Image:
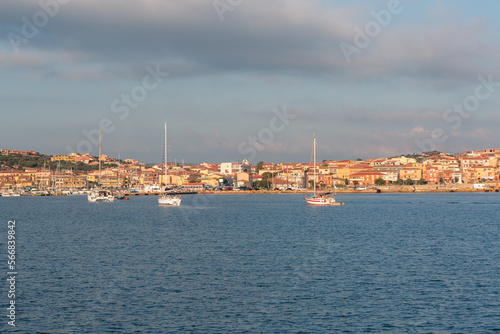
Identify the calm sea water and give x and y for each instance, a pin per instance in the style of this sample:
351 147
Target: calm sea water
402 263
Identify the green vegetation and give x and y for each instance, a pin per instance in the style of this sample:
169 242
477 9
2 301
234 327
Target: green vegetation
259 166
20 162
380 182
422 181
401 182
410 182
14 161
265 183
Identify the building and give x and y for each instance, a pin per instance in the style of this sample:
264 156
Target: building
230 168
7 152
244 179
365 178
432 174
410 173
479 173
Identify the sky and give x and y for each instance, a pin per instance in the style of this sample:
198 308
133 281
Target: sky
238 79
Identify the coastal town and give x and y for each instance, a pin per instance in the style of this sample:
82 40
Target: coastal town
78 172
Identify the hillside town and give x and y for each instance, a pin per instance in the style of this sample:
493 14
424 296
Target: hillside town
431 168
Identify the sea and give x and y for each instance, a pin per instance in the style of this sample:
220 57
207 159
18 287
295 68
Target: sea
254 263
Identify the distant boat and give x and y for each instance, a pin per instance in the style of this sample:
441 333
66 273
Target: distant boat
10 194
121 197
322 199
99 195
166 198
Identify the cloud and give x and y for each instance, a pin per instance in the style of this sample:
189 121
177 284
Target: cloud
418 129
283 36
23 60
230 74
478 133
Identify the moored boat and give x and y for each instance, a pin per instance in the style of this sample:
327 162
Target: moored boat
167 198
320 199
323 199
100 195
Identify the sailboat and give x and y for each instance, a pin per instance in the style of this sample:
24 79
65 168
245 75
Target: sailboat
100 195
323 199
165 198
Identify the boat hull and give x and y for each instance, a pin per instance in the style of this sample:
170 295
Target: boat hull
169 200
327 201
100 197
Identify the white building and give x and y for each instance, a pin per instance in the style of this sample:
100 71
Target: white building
230 168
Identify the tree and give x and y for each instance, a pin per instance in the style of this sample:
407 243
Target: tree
441 180
259 166
422 181
268 175
380 182
359 159
311 183
264 183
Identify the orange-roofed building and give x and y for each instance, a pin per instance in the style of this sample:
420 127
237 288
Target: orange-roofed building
365 178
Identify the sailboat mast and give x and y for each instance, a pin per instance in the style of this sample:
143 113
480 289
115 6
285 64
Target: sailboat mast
99 158
314 152
165 161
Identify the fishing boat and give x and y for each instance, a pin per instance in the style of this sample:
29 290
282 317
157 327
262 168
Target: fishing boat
321 199
100 195
167 198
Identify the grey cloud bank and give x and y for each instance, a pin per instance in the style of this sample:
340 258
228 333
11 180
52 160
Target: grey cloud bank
225 75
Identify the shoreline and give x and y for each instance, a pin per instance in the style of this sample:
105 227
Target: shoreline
398 190
350 191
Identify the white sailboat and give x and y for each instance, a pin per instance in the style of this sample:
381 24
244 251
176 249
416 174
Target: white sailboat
165 198
322 199
100 195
